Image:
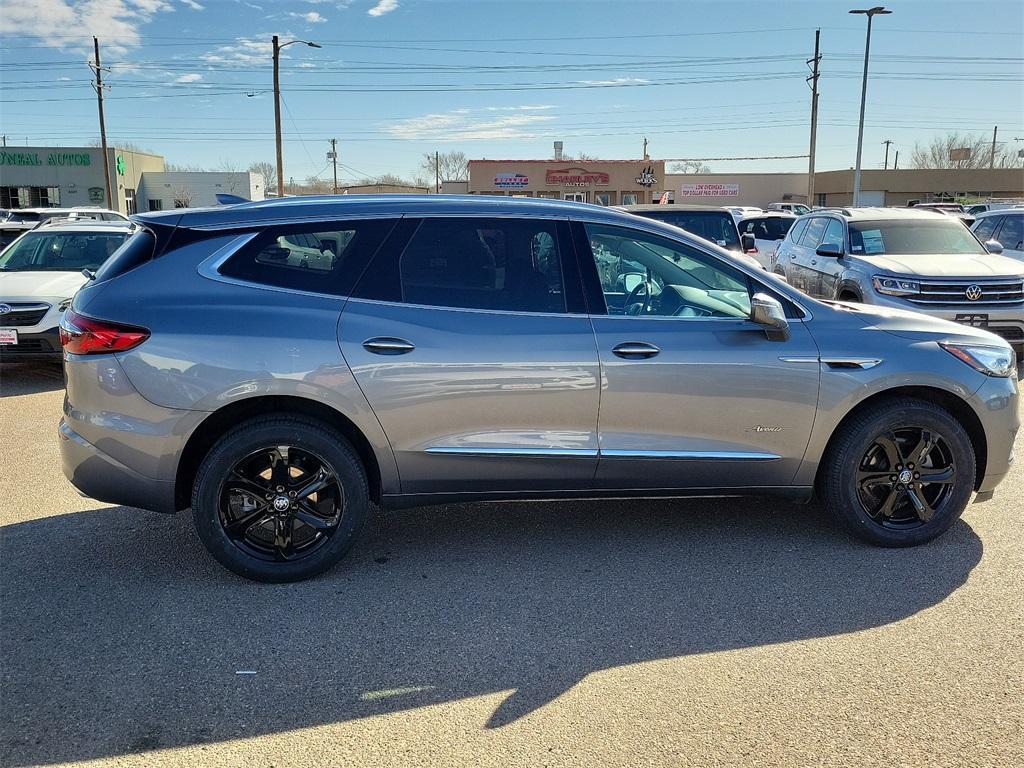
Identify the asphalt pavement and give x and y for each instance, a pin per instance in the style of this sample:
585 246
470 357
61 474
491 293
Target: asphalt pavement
676 633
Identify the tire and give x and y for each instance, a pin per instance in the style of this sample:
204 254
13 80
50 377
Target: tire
855 479
252 536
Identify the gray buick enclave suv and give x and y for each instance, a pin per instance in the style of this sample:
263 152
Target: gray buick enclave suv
277 366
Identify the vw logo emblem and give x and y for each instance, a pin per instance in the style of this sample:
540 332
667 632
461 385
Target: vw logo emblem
973 292
6 309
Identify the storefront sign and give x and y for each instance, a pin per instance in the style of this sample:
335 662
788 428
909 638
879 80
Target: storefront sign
511 180
53 158
575 177
711 190
646 177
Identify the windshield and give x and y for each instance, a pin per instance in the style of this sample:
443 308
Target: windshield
60 251
718 227
910 237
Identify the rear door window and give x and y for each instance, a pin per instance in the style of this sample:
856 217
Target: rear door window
798 230
812 235
475 263
321 258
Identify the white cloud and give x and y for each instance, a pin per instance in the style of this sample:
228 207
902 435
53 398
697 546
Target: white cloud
312 17
116 22
460 125
193 5
382 7
244 51
616 81
192 77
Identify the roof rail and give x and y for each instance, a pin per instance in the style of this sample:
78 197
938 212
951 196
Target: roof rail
844 211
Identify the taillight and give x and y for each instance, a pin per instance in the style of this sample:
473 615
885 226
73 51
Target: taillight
81 335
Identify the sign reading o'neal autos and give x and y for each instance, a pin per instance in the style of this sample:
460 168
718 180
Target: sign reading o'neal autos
711 190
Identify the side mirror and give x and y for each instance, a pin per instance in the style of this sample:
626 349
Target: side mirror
832 250
631 280
994 246
747 242
769 314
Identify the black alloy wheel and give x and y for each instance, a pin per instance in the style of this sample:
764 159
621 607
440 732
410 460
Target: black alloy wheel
905 477
281 503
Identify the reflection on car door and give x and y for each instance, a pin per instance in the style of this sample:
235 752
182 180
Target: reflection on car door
829 270
476 355
693 394
806 257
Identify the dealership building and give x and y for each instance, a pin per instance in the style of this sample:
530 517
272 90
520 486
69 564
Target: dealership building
605 182
71 176
621 182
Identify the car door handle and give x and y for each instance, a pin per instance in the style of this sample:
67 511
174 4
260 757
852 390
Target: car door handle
388 345
635 350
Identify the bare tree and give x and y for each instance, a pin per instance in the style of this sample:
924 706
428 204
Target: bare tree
182 196
445 166
689 166
183 168
970 151
269 173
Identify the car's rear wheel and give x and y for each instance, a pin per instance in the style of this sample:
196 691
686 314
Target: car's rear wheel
899 473
280 499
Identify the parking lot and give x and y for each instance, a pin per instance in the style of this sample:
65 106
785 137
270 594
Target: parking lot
643 633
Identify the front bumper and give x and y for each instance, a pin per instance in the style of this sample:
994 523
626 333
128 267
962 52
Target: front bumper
33 345
995 403
1003 320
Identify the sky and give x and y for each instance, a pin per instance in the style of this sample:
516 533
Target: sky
503 79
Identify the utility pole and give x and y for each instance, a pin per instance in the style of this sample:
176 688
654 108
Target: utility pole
887 142
437 172
992 157
277 117
813 80
98 87
278 45
333 155
870 13
646 156
896 162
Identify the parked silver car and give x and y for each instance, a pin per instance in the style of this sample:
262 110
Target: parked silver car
474 348
907 259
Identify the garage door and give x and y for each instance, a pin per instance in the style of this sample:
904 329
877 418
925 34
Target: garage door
870 197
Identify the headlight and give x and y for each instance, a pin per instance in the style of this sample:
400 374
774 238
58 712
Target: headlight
65 303
895 286
992 361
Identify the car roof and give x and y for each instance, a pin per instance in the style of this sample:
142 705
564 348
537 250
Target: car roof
1015 211
876 214
85 225
312 207
669 207
770 215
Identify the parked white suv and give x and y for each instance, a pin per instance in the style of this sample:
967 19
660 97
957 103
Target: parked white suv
39 275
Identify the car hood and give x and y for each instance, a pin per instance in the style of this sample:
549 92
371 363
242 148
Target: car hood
946 265
915 325
38 285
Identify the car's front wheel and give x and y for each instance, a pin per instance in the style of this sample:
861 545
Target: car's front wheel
899 473
280 499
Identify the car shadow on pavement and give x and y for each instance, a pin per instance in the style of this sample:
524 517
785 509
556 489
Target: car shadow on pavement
120 635
30 378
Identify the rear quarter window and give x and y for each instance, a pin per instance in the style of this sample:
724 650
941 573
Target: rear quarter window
320 258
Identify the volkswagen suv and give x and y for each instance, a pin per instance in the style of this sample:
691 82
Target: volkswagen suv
474 348
905 259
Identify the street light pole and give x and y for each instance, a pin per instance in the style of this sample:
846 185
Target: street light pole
278 45
869 12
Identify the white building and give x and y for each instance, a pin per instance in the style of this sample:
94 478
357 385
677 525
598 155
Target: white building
164 190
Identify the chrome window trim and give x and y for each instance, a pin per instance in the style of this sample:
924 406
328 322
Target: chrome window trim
516 312
405 214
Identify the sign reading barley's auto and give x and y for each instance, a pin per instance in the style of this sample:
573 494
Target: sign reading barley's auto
575 177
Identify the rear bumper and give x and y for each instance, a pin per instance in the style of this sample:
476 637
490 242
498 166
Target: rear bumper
103 478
